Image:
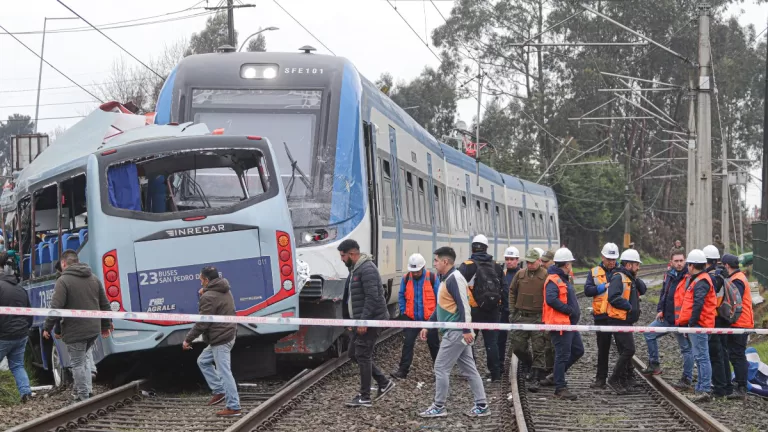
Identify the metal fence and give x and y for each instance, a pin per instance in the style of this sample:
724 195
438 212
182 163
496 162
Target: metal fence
760 258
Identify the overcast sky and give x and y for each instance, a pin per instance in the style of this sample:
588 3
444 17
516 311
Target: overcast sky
368 32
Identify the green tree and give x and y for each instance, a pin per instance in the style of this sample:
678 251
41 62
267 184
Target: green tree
257 44
214 35
16 124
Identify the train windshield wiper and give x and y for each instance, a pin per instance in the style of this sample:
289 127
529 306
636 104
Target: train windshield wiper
295 169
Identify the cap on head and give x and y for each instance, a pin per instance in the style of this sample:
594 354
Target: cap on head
540 251
711 252
610 251
563 255
630 255
416 262
483 240
730 260
511 252
532 255
696 256
547 256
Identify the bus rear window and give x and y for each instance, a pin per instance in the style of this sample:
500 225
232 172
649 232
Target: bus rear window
188 180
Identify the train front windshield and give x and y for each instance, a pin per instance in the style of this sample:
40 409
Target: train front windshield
290 119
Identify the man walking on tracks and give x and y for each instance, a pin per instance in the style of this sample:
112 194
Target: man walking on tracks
14 329
364 300
562 308
526 299
78 288
596 287
484 277
216 299
418 294
453 306
623 309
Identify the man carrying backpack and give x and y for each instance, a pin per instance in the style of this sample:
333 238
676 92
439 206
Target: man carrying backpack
734 310
484 278
718 348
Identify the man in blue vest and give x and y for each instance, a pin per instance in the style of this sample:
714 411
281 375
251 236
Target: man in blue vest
418 299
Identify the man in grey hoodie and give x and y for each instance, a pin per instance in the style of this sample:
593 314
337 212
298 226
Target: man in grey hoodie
364 300
78 288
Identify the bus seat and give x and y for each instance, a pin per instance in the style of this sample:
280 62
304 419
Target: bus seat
43 256
72 242
64 238
82 235
53 250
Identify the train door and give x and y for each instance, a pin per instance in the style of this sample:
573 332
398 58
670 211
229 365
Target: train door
430 197
369 136
494 222
396 199
525 222
549 228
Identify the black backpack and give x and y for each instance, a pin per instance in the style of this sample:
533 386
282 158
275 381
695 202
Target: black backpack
487 288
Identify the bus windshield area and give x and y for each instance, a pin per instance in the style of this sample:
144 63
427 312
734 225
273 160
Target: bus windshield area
290 120
188 180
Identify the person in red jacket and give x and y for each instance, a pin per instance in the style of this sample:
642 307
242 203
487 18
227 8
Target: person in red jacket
695 306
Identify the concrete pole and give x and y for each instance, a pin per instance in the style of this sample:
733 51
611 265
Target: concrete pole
40 74
231 23
692 213
704 132
725 207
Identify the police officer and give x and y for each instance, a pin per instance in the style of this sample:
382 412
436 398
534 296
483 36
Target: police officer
484 278
526 299
511 266
597 287
417 300
623 309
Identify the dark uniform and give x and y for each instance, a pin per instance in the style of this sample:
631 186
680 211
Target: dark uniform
624 294
509 275
596 287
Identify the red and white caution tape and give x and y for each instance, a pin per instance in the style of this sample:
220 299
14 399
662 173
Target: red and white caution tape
186 318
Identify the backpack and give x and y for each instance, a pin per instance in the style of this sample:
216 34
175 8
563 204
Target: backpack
487 288
731 307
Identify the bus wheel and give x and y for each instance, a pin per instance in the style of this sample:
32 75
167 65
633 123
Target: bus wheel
61 375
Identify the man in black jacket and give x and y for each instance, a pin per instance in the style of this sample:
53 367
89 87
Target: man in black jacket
14 329
364 300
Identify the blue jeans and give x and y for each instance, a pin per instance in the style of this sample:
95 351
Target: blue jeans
219 378
568 349
700 346
682 342
14 351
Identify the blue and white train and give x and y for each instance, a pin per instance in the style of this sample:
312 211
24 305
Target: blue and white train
354 165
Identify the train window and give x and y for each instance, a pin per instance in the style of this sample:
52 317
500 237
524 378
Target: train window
464 222
386 190
478 219
413 212
501 227
553 226
405 211
423 203
521 223
413 157
487 219
542 230
439 208
452 210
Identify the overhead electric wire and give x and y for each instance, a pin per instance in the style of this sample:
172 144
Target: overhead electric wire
46 104
53 67
426 44
111 40
45 118
302 26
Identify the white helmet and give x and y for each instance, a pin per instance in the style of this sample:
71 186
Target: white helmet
696 256
610 251
511 252
416 262
480 239
711 252
540 251
630 255
563 255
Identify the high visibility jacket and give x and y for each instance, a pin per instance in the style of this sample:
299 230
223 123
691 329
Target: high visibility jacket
616 313
427 296
600 301
549 314
686 295
746 319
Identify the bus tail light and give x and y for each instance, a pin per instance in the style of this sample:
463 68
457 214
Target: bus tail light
285 261
112 281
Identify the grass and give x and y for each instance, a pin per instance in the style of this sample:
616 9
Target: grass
8 393
762 350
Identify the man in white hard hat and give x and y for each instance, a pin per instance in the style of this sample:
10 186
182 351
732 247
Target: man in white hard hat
562 308
623 309
485 278
597 288
695 306
511 266
718 344
418 299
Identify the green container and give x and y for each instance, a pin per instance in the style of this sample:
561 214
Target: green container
745 259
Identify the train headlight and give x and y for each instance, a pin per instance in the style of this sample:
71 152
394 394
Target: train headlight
317 237
258 71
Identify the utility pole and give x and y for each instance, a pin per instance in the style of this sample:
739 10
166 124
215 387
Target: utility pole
231 22
726 204
704 131
692 208
628 205
477 129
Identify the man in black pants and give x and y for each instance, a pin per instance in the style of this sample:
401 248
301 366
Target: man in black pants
596 287
624 310
364 300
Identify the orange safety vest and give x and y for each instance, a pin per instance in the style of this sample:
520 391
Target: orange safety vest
708 311
548 314
427 296
600 301
746 319
616 313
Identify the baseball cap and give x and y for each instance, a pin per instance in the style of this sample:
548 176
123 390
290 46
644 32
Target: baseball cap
548 256
532 256
731 260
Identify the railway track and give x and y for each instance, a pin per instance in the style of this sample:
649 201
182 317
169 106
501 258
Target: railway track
652 405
